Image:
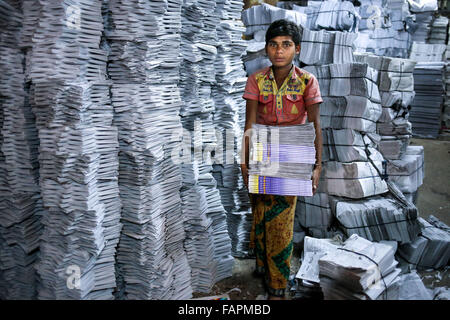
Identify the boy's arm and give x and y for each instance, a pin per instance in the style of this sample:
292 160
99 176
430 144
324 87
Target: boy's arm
250 119
314 117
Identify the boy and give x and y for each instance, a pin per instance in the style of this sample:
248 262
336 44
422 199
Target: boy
282 94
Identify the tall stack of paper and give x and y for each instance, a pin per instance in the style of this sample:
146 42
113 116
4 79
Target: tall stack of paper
77 154
229 122
200 20
396 84
431 250
426 108
151 260
359 270
351 101
20 200
281 159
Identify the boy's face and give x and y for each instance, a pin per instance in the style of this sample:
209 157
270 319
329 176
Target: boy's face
281 50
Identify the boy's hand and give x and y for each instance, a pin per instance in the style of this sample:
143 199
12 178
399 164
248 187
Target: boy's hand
315 178
244 171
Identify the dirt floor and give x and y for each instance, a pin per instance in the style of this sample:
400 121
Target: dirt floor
433 199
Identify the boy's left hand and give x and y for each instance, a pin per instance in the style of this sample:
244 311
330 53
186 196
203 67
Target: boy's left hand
315 179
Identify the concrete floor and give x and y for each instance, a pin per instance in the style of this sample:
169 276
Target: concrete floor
433 198
434 194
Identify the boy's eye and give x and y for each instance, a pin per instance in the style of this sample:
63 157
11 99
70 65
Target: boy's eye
283 45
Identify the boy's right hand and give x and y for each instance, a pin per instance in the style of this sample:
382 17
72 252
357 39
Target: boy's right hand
244 171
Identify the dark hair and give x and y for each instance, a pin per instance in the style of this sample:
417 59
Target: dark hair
283 28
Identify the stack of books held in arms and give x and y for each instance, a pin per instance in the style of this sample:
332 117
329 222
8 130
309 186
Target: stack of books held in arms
282 159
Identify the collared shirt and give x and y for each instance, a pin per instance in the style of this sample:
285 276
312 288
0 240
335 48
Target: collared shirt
285 105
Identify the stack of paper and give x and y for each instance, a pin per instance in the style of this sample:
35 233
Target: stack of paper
431 250
397 127
426 108
356 79
438 32
360 270
396 84
350 112
256 58
201 61
151 258
325 47
351 96
407 172
347 145
281 159
314 213
394 147
420 30
239 227
422 52
399 14
78 151
373 14
30 10
229 121
258 18
423 5
377 218
307 277
20 200
199 239
384 28
331 15
354 180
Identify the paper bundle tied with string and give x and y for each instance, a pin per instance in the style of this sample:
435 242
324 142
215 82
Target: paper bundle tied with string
360 269
282 159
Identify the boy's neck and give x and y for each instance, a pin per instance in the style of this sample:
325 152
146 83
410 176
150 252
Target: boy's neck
280 73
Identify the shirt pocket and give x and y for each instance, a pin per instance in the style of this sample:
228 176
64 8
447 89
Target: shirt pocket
265 105
293 105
